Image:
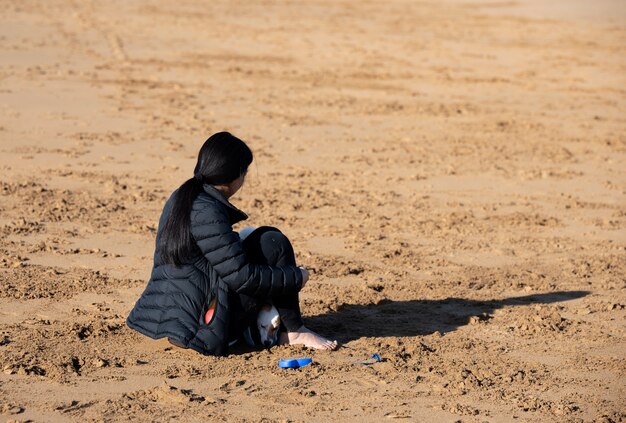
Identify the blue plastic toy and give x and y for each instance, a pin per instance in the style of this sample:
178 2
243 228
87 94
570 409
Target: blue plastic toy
372 360
294 363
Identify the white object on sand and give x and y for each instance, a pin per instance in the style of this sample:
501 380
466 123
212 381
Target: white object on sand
243 234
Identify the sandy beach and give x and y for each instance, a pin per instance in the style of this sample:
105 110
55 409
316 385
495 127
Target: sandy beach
453 173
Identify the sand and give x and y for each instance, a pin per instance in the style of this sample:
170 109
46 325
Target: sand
453 174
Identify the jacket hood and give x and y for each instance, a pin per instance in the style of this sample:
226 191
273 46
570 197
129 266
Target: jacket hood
234 213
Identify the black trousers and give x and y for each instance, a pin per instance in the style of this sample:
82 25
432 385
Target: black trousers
266 245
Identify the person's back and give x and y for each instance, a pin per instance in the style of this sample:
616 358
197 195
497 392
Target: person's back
177 294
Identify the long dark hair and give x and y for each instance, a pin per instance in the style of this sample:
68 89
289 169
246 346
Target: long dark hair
222 159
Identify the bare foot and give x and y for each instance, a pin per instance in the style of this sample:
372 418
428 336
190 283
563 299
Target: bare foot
308 338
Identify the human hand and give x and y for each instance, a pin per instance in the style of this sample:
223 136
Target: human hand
305 276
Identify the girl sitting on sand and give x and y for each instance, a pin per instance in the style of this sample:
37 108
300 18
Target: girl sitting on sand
207 284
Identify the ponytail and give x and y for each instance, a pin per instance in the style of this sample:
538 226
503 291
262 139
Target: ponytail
176 243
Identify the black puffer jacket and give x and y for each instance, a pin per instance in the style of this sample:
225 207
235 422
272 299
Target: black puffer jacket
176 299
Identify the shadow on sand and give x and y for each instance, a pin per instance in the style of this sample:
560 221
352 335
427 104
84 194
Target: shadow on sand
418 317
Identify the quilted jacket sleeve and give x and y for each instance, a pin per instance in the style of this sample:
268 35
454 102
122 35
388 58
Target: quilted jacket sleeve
223 250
